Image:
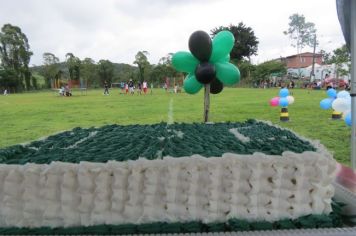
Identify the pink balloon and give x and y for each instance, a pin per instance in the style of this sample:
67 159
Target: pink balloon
274 101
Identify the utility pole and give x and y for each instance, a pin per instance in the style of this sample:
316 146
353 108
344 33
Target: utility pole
353 82
312 75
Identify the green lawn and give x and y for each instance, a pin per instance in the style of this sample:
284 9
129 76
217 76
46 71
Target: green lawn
29 116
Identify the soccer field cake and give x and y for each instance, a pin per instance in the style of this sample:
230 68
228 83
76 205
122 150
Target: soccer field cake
166 178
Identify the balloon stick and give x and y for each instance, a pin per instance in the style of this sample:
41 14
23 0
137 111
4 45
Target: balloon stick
206 102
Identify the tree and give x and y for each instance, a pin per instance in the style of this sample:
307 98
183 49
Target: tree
264 70
301 33
88 72
326 57
246 43
163 70
105 70
245 68
50 69
124 72
142 63
9 80
340 57
73 64
15 54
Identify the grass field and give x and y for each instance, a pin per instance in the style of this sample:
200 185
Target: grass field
29 116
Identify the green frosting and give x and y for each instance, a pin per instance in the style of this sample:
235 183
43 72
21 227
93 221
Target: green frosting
192 227
239 225
262 225
121 143
310 221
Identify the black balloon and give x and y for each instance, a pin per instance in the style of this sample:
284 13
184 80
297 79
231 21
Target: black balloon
216 86
200 45
205 72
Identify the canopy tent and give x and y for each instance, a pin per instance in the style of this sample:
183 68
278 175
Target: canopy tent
346 11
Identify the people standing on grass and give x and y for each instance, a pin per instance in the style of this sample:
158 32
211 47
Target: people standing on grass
5 92
61 91
139 88
126 88
151 88
106 88
67 91
144 85
131 87
122 87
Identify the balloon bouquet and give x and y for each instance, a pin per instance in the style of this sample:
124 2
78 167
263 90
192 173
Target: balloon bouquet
207 65
283 100
340 102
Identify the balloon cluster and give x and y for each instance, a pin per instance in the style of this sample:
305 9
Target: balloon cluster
340 102
208 62
283 100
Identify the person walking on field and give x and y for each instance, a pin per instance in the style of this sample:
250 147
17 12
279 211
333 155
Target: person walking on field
126 88
139 88
144 85
106 88
131 87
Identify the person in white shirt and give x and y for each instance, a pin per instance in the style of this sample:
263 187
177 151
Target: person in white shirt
144 86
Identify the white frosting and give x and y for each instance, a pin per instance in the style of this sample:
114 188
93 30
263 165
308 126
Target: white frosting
252 187
239 136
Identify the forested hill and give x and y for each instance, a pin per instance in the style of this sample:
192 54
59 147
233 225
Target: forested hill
93 73
118 68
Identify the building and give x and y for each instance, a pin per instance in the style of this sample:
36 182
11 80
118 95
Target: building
301 65
302 60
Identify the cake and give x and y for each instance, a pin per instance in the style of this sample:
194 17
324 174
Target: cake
166 178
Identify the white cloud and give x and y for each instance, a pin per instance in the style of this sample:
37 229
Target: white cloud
117 30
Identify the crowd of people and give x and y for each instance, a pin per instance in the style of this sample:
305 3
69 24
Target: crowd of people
139 88
275 84
130 87
305 83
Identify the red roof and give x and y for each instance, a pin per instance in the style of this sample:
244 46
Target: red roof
305 54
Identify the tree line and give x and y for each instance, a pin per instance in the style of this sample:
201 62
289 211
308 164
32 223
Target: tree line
16 75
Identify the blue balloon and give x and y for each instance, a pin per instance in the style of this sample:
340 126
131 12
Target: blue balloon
326 103
331 93
283 93
283 102
348 119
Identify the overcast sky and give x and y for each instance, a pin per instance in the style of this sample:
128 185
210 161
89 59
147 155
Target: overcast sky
118 29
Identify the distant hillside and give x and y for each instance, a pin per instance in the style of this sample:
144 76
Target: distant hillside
119 67
122 71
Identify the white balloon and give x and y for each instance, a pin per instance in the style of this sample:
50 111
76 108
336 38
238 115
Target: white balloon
290 99
343 94
341 105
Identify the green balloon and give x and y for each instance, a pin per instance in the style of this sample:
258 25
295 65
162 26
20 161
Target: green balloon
227 73
223 42
226 58
184 62
191 84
